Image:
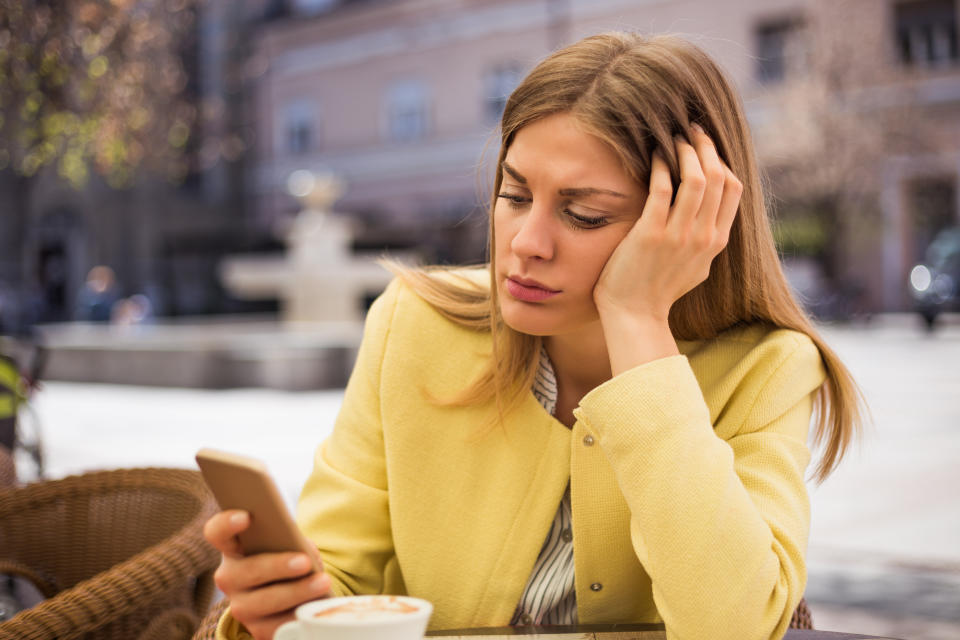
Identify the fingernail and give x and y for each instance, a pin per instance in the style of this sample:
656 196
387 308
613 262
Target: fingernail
299 563
238 518
319 583
697 126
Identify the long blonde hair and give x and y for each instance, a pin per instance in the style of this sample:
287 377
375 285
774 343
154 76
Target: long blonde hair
636 93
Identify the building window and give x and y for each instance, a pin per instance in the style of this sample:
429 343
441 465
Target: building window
926 32
498 83
932 202
781 49
407 111
298 128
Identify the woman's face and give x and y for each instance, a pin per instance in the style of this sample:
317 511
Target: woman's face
564 205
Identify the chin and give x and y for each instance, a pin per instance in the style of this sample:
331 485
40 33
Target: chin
535 319
525 317
530 329
548 320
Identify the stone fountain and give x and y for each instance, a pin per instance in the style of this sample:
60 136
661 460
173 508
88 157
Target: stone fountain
321 287
318 279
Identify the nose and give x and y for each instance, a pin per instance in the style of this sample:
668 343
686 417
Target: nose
534 237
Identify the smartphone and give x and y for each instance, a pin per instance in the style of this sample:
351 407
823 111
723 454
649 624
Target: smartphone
240 482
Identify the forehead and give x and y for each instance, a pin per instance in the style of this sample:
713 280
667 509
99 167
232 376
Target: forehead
558 148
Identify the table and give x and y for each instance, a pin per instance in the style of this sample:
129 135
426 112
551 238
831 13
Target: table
616 632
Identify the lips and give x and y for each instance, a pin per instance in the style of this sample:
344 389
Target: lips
527 290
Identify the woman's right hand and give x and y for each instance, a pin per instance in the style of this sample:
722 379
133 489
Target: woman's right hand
265 588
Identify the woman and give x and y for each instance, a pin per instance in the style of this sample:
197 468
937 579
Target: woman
607 424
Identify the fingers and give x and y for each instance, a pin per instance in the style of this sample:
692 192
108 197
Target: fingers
657 207
709 194
263 588
692 187
729 204
714 174
250 572
221 531
264 609
277 598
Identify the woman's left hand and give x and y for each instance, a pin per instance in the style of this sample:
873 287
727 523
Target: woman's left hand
669 249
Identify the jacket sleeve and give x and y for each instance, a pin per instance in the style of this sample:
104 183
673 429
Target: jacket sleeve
719 508
343 505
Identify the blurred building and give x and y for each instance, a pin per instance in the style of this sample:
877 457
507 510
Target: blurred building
162 240
855 106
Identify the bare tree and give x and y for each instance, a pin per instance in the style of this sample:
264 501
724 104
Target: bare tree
849 105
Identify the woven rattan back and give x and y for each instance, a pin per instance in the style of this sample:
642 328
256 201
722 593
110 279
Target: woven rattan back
8 469
116 550
802 618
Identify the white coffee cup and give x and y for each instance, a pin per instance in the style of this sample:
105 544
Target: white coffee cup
359 618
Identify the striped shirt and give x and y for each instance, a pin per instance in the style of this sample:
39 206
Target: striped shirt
549 597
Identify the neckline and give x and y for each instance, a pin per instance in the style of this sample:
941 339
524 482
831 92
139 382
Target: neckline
530 398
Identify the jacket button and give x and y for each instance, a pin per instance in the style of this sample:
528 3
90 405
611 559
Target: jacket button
588 440
596 586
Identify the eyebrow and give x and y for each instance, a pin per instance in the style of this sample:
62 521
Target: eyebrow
590 191
580 191
513 173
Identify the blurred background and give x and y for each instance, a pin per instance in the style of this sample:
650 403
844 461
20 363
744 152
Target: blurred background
192 193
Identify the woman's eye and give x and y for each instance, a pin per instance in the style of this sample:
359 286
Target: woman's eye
586 222
514 201
577 220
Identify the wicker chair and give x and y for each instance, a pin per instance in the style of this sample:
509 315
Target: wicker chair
208 626
118 554
802 618
8 469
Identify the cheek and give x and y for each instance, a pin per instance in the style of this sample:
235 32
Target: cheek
502 234
594 257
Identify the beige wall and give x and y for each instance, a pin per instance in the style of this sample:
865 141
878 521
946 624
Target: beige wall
341 64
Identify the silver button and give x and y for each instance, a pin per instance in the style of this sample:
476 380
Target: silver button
596 586
526 619
588 440
567 535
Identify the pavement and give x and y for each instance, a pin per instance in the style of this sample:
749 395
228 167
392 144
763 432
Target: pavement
884 552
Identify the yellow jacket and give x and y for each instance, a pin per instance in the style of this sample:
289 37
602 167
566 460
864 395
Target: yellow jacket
686 477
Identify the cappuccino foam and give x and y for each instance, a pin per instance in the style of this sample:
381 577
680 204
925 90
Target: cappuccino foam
368 610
